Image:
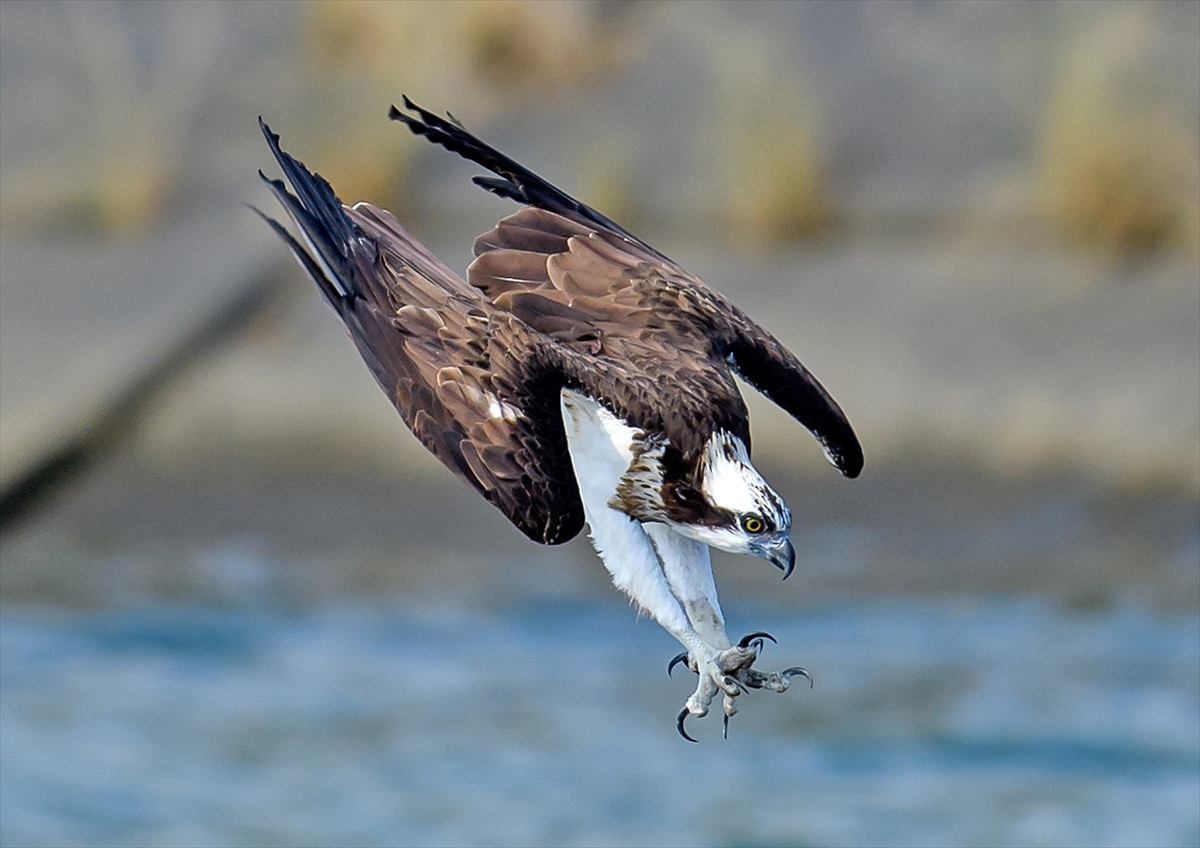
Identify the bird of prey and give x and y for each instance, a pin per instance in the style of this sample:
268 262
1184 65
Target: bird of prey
577 376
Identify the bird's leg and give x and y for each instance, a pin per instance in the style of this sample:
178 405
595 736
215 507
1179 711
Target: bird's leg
722 666
667 575
687 566
751 678
729 672
733 671
712 666
637 569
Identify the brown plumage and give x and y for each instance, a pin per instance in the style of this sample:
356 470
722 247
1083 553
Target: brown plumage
558 297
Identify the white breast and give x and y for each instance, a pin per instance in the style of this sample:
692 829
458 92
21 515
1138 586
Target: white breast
601 448
665 576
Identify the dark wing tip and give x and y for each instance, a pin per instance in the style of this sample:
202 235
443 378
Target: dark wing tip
838 441
513 180
760 359
271 137
431 121
851 463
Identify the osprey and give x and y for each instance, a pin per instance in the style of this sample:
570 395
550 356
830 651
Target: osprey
576 376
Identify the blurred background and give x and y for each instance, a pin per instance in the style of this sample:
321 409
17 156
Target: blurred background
239 605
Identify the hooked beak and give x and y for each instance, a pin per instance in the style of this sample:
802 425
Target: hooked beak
783 556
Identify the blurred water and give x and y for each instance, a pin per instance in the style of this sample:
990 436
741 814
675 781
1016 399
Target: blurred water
932 723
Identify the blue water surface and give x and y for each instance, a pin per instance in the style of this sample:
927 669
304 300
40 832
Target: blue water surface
1000 722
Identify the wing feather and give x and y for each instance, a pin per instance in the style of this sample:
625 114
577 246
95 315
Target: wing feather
558 296
644 306
472 383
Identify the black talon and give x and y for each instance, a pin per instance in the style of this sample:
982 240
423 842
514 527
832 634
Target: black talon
789 673
724 727
757 634
676 660
679 724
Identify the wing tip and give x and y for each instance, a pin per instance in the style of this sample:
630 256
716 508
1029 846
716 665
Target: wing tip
850 462
424 123
271 136
513 181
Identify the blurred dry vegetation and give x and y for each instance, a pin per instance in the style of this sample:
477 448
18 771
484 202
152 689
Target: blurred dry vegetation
470 54
118 163
119 134
777 185
1113 164
1121 165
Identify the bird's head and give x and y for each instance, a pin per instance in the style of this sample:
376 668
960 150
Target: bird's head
744 514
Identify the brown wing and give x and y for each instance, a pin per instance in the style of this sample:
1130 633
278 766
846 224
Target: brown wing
600 300
630 304
476 386
570 271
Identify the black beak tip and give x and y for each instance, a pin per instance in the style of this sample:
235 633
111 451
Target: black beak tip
784 558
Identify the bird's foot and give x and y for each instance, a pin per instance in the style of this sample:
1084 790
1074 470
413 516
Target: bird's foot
730 672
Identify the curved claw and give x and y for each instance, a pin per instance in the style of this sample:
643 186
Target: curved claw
788 673
757 634
725 726
676 660
683 714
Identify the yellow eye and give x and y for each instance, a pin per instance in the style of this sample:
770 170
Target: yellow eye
753 524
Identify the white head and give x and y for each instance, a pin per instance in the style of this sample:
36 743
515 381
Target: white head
750 517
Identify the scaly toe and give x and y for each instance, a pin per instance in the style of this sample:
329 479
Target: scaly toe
797 671
729 707
734 660
775 681
730 673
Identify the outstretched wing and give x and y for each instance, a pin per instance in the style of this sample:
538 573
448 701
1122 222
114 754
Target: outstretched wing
571 272
478 387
